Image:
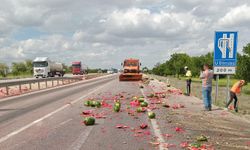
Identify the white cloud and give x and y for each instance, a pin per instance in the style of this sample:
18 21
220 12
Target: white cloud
142 23
238 16
102 33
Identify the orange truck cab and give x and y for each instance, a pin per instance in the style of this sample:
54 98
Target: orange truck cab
131 70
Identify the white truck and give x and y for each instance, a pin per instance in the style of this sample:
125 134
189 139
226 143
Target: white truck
44 67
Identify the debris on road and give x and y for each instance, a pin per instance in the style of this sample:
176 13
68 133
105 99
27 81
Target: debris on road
141 109
92 103
151 115
179 129
143 126
177 106
87 112
184 145
120 126
201 138
144 104
134 103
141 99
117 106
88 121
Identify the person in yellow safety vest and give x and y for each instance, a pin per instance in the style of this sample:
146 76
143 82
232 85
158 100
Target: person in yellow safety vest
188 79
236 89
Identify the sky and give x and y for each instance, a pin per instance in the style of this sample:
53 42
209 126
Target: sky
102 33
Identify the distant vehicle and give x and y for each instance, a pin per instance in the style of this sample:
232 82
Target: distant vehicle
77 68
99 71
112 70
131 70
44 67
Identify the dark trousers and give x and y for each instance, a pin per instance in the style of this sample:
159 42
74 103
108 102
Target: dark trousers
188 86
233 97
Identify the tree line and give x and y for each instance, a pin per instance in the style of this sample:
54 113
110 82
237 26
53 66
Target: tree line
21 68
175 65
26 68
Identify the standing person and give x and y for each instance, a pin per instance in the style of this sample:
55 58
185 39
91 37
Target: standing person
207 78
236 89
188 80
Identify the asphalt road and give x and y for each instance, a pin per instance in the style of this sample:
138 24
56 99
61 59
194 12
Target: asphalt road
50 119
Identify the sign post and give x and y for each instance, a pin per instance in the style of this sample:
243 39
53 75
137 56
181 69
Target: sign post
225 56
216 89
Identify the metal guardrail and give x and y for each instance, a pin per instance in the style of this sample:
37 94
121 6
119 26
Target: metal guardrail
7 84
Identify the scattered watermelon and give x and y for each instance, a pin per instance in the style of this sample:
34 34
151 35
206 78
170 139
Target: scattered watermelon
140 109
151 115
88 121
141 99
98 104
143 126
202 138
151 95
144 104
134 98
116 109
92 103
117 106
165 105
195 144
87 103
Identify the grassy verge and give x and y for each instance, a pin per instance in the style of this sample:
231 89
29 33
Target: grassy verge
223 83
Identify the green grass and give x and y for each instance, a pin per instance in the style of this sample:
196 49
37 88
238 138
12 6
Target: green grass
223 83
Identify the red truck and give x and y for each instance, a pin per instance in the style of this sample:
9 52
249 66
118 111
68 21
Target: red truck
77 68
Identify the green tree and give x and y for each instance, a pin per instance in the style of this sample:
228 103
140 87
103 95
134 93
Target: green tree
66 68
29 66
243 64
178 62
3 69
246 50
18 68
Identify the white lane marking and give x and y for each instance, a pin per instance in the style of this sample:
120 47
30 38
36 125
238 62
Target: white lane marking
77 144
156 129
4 138
64 122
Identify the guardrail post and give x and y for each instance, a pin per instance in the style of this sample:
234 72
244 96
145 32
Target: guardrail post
30 86
57 82
46 83
20 88
39 87
7 90
52 83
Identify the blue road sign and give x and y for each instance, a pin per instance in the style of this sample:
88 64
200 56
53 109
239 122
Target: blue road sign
225 52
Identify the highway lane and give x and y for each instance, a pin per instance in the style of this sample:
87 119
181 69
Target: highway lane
19 110
50 119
